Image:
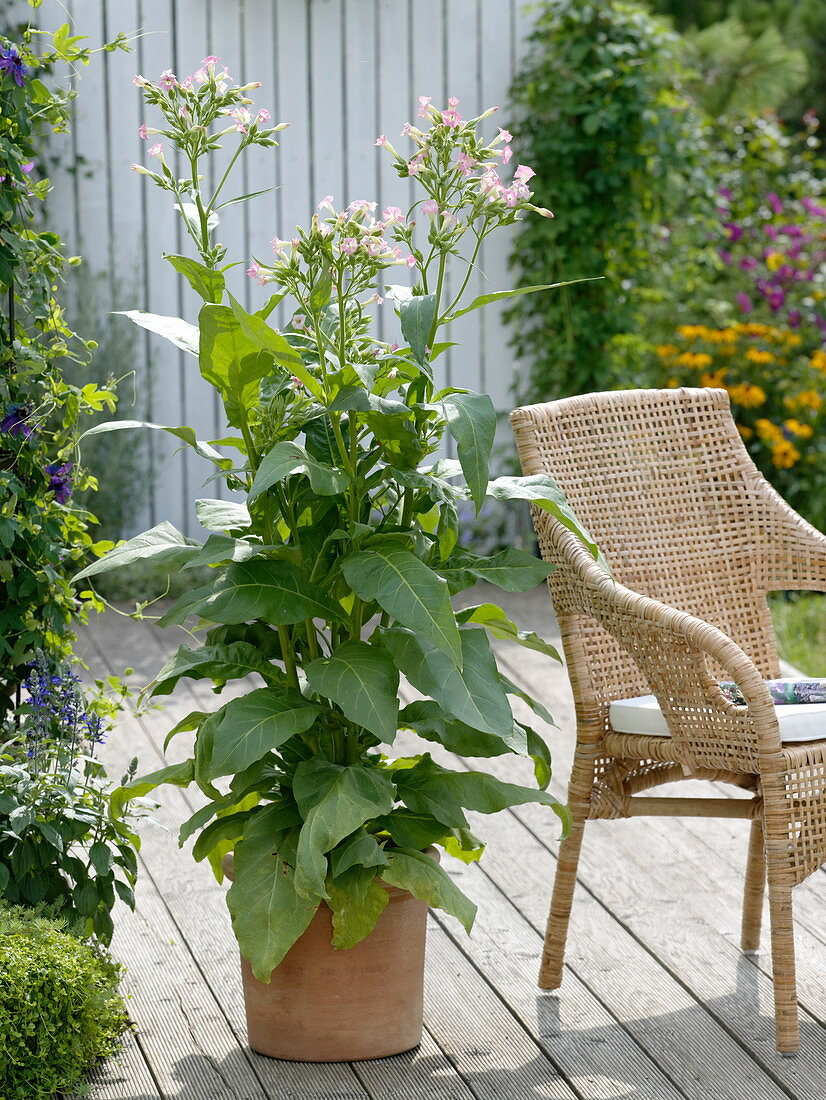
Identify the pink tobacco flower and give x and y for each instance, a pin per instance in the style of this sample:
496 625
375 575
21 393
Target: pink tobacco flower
453 103
211 60
156 150
262 116
410 259
142 131
523 173
451 118
465 163
504 135
507 153
362 204
349 245
392 214
255 271
139 81
242 119
167 79
430 207
382 141
424 103
326 204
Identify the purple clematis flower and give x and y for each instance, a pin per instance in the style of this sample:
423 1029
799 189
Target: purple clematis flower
60 480
15 422
11 63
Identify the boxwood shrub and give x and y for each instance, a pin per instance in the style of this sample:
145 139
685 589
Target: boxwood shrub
60 1009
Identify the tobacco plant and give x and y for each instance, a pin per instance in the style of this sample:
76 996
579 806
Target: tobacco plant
335 563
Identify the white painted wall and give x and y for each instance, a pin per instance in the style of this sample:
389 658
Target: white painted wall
341 72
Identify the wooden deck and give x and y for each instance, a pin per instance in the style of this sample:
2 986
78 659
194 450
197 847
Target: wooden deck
658 1003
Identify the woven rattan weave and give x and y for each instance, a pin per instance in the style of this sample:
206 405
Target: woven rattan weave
695 539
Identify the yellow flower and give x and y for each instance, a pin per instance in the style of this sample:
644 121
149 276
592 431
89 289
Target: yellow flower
818 360
692 332
769 431
784 455
745 432
805 431
754 355
697 360
806 399
665 351
775 260
747 395
714 381
793 339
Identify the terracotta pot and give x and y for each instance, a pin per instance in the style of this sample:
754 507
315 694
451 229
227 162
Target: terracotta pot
328 1005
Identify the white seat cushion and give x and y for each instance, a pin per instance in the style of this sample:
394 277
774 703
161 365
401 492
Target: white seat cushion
798 721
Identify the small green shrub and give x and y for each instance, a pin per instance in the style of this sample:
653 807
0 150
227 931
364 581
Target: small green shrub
60 1009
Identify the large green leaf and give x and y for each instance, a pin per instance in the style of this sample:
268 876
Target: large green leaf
497 623
355 399
426 718
178 775
471 420
259 333
275 591
410 591
289 458
500 295
511 570
222 515
214 662
268 915
357 900
334 801
162 544
231 362
360 849
220 549
474 695
180 333
203 280
244 729
184 433
542 491
417 315
364 681
427 787
412 830
425 879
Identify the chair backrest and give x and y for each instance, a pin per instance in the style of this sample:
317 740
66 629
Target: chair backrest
662 481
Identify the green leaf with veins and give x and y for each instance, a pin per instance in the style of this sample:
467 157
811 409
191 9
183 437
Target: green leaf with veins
474 695
497 623
410 591
357 900
286 459
364 682
334 801
425 879
244 729
268 914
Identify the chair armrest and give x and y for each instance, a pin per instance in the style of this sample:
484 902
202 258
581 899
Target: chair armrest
676 652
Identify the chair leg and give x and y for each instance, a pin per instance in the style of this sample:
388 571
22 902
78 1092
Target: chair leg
556 932
754 890
783 972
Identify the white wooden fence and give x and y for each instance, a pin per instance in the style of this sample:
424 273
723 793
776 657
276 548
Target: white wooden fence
340 72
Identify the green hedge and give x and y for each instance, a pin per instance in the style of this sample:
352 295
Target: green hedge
60 1009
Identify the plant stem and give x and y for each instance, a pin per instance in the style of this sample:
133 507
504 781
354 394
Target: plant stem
223 180
288 657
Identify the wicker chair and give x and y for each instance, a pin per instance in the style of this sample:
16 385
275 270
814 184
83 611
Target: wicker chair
695 539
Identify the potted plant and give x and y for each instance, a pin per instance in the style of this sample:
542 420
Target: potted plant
334 575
